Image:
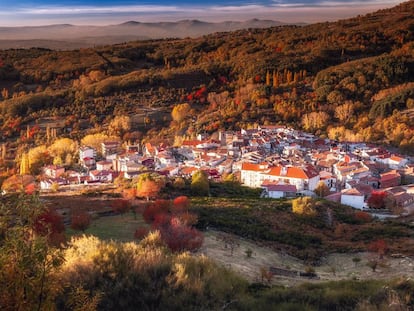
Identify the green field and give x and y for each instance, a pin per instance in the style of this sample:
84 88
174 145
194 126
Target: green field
118 227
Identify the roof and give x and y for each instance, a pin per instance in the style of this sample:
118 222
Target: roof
281 187
390 175
246 166
351 191
191 142
188 170
306 172
396 158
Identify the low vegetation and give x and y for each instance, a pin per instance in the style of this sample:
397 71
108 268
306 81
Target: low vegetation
93 274
329 228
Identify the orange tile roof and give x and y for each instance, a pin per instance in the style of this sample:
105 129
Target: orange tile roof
352 191
294 172
396 158
246 166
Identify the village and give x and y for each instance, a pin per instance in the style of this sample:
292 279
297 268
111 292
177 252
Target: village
282 161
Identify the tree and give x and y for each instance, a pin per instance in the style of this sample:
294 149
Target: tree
17 183
304 206
5 93
322 189
344 112
149 185
24 164
199 183
95 140
28 262
180 112
315 120
38 157
64 149
50 224
377 199
80 220
379 247
119 126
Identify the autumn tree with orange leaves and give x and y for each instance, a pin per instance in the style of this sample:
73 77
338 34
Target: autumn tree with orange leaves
149 185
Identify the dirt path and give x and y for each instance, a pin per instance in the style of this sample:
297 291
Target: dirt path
334 267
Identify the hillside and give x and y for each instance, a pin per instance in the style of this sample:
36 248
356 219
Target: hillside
347 80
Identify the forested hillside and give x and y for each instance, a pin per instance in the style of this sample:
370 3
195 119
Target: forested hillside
348 80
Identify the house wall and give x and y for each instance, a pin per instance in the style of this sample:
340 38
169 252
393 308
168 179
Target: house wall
276 194
355 201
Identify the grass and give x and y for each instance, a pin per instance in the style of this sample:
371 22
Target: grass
118 227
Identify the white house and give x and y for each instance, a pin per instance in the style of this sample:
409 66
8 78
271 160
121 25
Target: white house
277 191
353 197
396 162
101 176
53 171
86 152
48 183
104 165
87 157
251 174
303 177
328 178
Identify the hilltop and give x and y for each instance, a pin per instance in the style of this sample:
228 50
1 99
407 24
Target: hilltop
67 36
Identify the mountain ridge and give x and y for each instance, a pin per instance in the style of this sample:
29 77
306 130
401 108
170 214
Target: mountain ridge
86 36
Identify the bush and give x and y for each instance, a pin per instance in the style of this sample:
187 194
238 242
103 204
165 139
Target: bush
304 206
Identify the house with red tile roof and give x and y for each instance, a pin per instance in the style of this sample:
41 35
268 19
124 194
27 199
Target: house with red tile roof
278 190
397 162
353 197
303 177
390 179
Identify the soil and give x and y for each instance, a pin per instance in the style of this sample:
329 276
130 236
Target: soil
334 267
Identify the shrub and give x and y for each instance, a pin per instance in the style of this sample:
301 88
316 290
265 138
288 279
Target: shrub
80 221
304 206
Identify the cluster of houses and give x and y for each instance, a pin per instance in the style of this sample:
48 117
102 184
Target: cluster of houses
282 161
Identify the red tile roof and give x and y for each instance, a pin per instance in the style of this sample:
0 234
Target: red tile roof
283 188
306 172
246 166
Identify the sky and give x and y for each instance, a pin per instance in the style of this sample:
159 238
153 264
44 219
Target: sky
106 12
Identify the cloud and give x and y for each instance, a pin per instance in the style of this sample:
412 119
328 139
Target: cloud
56 10
332 3
250 7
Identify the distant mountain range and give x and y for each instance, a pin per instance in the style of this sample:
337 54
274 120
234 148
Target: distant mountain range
66 36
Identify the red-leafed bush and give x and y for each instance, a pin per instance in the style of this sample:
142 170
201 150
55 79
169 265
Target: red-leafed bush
377 199
174 222
181 204
161 220
80 221
180 237
49 222
158 207
363 217
378 246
